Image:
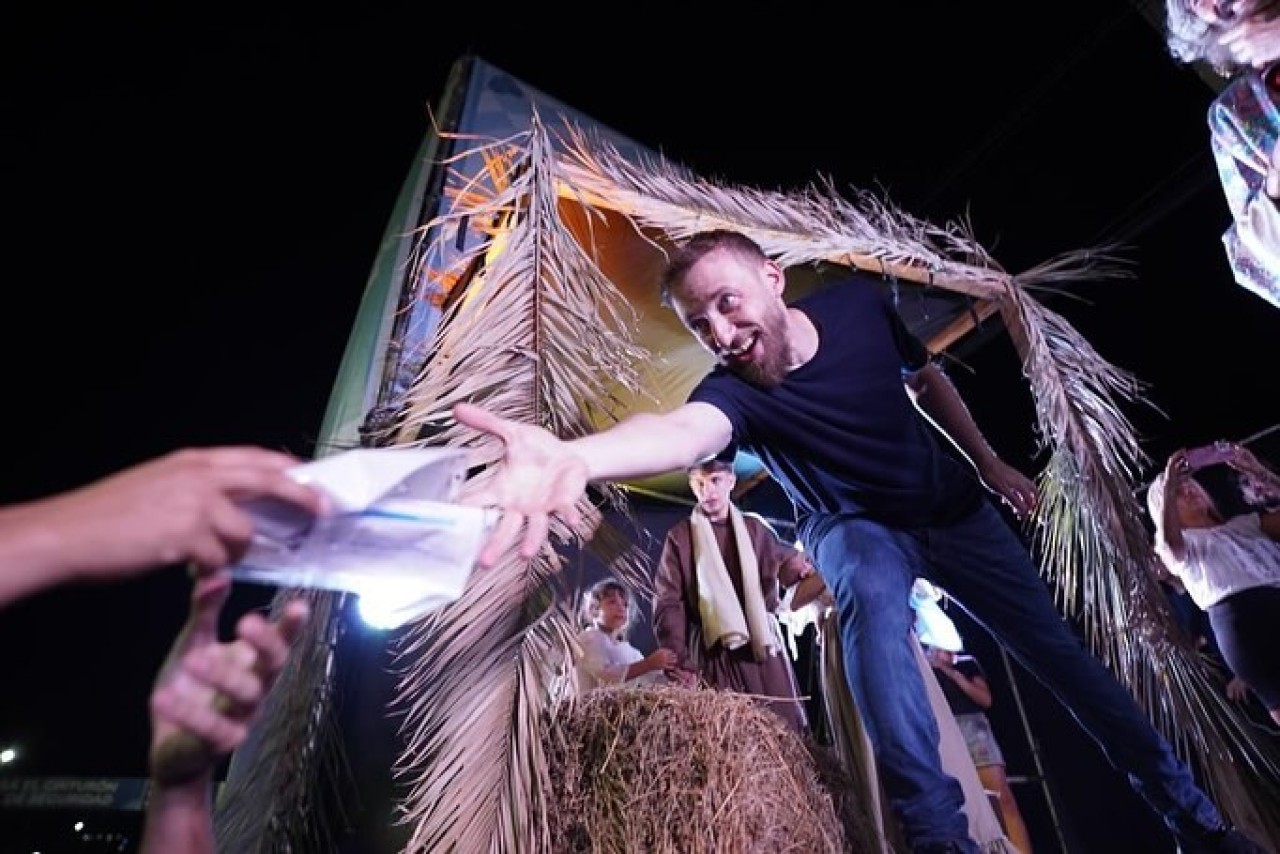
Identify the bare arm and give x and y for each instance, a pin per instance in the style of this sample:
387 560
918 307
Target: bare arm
205 700
935 396
659 659
542 475
1259 485
975 687
1170 542
647 444
180 818
180 507
31 553
809 589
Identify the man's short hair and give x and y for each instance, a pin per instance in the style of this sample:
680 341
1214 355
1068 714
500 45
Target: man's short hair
700 245
710 466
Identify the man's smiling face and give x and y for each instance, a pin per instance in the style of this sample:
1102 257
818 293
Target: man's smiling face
733 305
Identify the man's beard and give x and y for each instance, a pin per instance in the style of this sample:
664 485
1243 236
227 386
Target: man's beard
774 354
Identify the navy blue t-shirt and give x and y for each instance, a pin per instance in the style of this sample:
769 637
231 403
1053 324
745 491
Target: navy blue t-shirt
840 434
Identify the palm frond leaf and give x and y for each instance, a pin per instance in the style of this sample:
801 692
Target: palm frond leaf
795 227
1094 546
287 788
542 336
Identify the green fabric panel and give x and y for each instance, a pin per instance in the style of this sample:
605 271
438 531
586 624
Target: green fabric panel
355 388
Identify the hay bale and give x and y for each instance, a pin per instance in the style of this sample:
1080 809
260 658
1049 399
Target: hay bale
670 770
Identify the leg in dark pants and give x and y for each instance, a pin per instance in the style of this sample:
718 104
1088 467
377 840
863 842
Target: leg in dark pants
986 568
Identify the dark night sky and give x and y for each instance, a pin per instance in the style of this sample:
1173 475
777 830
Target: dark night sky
192 205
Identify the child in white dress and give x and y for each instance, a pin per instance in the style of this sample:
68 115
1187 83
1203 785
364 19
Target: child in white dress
606 657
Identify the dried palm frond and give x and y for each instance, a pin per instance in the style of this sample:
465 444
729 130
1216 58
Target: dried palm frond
541 336
1089 532
794 227
287 789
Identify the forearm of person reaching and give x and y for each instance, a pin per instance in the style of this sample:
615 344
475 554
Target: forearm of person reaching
543 475
938 400
30 552
647 444
180 818
179 507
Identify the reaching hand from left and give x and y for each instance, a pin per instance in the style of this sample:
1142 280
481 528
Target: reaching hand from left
1015 488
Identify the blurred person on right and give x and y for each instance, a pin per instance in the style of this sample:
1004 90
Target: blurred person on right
1240 41
1228 564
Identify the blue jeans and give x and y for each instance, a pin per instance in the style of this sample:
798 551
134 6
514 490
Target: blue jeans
983 566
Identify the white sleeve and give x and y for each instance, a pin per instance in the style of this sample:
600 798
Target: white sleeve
596 661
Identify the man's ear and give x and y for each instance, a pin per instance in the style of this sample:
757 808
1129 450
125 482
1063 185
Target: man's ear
776 277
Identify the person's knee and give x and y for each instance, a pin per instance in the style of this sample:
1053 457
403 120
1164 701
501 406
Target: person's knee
878 600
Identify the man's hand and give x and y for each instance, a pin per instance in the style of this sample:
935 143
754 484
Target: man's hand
540 478
1015 488
180 507
208 693
1237 690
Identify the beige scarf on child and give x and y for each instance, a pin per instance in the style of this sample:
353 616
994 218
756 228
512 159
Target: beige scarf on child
723 619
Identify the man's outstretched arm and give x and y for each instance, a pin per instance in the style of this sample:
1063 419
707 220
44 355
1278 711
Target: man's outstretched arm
543 475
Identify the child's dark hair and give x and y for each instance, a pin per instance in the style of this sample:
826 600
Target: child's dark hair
595 595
